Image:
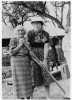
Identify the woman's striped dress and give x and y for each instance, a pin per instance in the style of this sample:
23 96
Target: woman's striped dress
21 71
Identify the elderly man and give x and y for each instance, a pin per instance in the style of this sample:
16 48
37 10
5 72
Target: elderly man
39 43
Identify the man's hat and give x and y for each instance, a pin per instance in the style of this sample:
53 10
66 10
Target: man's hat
37 20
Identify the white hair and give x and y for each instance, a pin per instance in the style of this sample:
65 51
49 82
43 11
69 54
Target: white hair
19 27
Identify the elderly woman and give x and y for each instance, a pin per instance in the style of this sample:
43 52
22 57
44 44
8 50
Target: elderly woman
21 68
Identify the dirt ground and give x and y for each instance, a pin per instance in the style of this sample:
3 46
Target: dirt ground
39 93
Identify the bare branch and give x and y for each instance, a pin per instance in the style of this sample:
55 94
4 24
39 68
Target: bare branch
61 4
62 14
32 8
45 15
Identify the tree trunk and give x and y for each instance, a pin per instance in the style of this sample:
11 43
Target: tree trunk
22 20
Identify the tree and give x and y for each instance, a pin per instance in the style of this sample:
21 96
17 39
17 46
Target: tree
19 11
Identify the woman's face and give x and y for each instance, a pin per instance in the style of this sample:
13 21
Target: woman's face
21 33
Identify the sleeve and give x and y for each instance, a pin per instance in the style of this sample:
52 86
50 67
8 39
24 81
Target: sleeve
30 36
46 37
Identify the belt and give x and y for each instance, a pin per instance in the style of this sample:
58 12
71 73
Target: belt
21 55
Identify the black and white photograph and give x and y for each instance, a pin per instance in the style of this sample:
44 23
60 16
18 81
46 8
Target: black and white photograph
36 50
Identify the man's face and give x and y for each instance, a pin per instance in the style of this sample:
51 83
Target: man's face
37 26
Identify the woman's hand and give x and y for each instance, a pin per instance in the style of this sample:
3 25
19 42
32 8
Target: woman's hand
21 41
15 50
44 39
